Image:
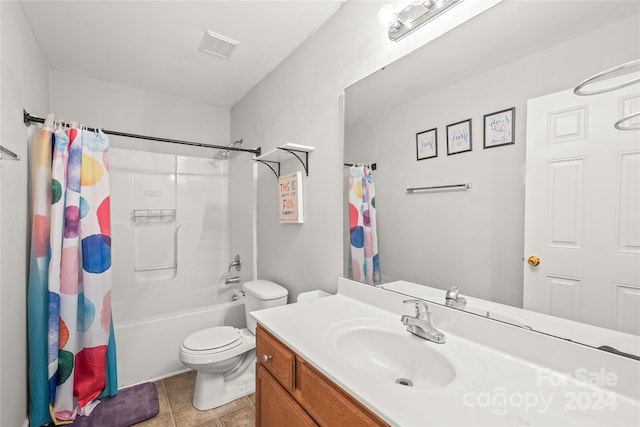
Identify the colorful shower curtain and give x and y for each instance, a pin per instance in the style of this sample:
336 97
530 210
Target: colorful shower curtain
71 343
363 256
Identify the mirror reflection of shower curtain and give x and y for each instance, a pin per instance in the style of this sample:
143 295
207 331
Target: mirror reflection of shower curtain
364 265
71 344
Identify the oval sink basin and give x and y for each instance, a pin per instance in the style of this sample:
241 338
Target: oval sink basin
394 357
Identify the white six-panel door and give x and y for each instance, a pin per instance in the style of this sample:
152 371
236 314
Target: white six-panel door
582 216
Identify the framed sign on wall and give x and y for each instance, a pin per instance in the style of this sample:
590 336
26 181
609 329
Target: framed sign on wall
459 137
291 206
499 128
427 144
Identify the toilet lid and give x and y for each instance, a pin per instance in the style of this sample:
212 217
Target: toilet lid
212 338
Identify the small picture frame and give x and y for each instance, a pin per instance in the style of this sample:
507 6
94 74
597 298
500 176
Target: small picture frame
459 137
499 128
427 144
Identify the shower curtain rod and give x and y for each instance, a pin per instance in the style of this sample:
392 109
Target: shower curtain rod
374 166
28 119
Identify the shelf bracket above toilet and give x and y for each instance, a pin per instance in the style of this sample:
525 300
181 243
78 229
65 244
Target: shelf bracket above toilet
285 152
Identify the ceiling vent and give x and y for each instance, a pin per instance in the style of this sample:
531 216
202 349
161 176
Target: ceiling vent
216 44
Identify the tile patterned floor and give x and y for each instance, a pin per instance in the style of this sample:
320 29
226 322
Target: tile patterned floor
175 394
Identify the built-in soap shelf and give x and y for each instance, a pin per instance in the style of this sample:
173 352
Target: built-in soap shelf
285 152
6 154
147 216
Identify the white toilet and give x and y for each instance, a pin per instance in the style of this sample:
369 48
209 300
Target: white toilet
224 357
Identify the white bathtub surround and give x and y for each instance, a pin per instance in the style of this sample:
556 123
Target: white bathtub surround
488 372
168 272
161 267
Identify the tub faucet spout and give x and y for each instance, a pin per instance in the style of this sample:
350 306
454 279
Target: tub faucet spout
231 280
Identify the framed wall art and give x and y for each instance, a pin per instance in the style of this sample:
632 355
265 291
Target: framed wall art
290 199
427 144
459 137
499 128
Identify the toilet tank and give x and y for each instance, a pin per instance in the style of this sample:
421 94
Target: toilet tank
261 294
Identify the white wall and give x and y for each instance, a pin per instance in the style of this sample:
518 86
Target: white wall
23 84
300 102
118 107
474 240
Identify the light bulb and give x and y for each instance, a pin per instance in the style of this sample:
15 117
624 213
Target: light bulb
387 15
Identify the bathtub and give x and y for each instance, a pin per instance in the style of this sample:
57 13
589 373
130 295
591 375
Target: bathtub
147 349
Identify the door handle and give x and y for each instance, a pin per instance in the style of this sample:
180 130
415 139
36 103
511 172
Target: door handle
533 260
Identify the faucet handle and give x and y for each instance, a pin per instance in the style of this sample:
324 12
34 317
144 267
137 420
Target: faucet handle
235 263
452 293
422 309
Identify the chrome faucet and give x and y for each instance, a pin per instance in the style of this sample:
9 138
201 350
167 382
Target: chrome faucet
452 299
420 325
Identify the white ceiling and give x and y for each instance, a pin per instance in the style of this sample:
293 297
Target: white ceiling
153 45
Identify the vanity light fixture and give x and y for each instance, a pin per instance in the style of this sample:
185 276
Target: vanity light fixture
412 17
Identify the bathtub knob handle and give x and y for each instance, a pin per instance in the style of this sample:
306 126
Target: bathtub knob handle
265 358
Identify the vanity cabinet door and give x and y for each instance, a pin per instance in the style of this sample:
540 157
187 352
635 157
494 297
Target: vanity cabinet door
274 406
276 358
327 403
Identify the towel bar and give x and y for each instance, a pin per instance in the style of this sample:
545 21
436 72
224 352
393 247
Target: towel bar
467 186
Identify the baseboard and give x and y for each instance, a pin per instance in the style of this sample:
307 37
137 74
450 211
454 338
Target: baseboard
154 379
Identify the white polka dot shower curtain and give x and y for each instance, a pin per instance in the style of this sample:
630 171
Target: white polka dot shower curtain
363 255
71 344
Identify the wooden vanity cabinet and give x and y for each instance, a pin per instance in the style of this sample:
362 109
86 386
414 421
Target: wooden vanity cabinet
291 392
274 406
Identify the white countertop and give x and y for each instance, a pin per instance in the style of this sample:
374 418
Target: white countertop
491 387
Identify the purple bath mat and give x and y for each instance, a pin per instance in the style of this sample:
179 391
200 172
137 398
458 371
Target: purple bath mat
131 406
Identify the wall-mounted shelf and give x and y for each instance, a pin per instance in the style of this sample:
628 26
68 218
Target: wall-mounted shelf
284 152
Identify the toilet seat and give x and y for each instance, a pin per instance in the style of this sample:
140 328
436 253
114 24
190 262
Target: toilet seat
213 340
193 358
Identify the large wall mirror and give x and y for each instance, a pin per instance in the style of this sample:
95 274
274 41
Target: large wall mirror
520 60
